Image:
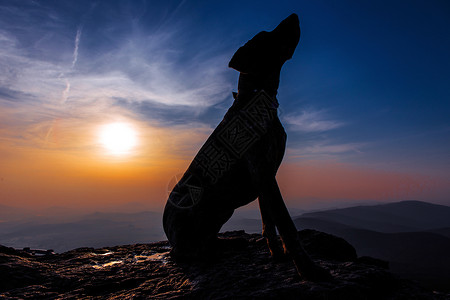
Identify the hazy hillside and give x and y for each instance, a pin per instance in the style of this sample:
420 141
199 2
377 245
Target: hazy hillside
414 236
8 213
28 229
442 231
422 253
402 216
94 230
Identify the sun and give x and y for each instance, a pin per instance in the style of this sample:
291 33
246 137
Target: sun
118 138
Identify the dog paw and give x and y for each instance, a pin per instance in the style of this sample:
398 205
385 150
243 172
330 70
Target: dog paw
308 270
318 274
277 254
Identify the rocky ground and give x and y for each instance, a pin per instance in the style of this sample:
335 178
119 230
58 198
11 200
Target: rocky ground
241 271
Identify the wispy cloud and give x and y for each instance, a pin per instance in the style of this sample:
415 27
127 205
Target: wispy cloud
149 77
141 68
154 72
328 148
65 92
311 121
324 149
75 50
312 137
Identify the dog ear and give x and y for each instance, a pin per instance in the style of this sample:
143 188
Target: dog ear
248 58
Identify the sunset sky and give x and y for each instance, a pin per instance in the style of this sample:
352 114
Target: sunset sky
365 100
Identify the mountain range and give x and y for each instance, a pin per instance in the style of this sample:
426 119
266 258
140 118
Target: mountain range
413 236
92 230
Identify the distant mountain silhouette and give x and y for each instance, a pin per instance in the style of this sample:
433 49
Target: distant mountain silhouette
401 233
442 231
93 230
414 236
8 213
402 216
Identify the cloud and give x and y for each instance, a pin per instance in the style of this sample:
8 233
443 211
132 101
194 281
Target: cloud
145 68
152 78
75 50
324 149
65 92
7 94
311 121
156 71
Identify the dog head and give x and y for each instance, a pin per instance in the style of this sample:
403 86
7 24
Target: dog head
266 52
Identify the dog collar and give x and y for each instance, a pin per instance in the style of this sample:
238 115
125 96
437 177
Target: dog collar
250 95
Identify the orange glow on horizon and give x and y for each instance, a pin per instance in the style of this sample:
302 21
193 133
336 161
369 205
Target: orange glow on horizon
62 163
66 165
328 180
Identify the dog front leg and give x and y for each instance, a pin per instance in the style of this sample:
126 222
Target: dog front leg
272 202
269 231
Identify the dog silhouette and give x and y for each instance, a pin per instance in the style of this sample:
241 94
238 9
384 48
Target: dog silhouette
240 159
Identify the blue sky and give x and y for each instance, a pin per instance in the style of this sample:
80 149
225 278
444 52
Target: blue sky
368 87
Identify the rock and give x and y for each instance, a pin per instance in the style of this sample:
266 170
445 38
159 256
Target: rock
374 262
240 270
324 245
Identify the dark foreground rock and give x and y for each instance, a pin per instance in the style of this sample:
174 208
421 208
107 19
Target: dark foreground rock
241 270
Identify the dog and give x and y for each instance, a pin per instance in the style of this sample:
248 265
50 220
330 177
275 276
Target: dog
240 159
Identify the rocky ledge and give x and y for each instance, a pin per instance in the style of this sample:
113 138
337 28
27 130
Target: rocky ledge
244 270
